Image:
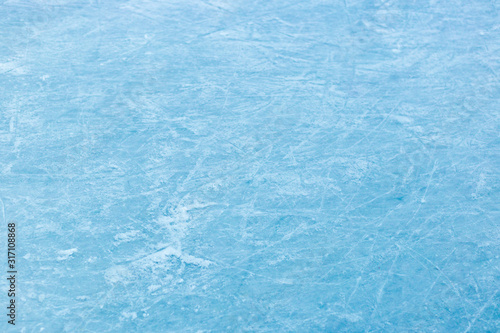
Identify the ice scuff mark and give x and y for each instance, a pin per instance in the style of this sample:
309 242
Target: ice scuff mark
402 119
180 213
352 317
163 255
65 254
125 237
117 274
177 224
128 315
161 260
12 67
164 259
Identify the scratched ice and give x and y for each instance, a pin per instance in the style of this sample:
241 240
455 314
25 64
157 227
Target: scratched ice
251 165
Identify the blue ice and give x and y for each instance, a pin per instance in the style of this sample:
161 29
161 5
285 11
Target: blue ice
251 165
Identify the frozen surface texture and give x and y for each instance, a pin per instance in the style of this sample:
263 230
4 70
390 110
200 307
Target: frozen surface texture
252 165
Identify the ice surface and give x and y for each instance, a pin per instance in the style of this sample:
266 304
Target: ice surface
252 165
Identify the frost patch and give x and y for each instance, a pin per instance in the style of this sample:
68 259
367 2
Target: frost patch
164 254
65 254
154 287
12 68
352 317
179 215
402 119
128 315
117 274
126 236
177 224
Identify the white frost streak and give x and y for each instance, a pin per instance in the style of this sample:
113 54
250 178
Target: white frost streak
126 236
162 255
65 254
177 225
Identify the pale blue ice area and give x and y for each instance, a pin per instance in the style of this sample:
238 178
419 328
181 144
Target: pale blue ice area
251 165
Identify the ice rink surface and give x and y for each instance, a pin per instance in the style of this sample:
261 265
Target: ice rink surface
251 166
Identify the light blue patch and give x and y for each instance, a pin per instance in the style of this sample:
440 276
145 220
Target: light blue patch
251 166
